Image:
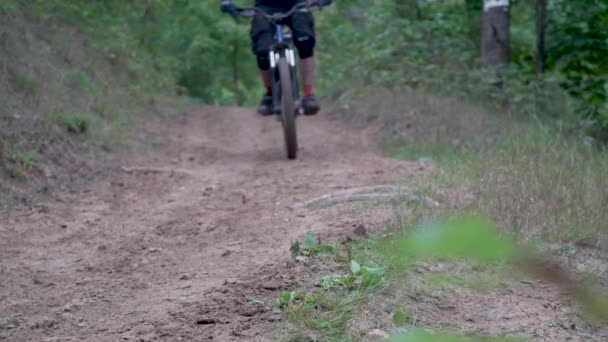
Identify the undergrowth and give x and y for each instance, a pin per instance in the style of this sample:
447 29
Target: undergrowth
535 181
544 183
324 312
69 75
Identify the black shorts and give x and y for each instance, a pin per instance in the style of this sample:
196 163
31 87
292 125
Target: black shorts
302 25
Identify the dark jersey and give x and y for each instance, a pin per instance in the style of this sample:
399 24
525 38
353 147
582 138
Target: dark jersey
279 4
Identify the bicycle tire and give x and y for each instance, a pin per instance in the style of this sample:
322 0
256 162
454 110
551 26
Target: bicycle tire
288 111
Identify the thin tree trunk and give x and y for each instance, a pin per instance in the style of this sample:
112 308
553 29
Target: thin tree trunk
541 26
235 73
1 152
473 9
149 12
495 33
408 9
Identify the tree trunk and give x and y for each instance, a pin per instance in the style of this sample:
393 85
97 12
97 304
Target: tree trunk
235 73
541 27
495 35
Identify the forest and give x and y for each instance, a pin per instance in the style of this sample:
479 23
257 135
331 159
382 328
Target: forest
554 58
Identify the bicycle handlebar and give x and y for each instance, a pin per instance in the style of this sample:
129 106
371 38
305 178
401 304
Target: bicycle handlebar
251 11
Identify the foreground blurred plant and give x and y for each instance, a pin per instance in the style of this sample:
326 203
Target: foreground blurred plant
474 238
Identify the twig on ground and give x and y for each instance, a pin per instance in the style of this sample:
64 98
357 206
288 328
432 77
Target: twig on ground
154 170
380 193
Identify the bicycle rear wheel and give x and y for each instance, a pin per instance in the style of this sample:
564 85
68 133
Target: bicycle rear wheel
288 110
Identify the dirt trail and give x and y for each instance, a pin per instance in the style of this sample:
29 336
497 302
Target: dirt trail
170 244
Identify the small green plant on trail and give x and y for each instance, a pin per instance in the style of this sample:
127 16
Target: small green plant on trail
359 277
327 309
309 247
399 317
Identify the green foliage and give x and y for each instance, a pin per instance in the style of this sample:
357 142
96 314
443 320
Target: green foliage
192 48
419 335
310 240
289 298
358 278
309 247
164 45
22 83
462 237
83 82
437 51
329 307
399 317
579 51
19 162
15 158
477 239
8 6
77 124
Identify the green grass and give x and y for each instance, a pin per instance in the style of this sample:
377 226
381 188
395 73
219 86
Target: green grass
72 123
480 280
542 186
444 153
326 310
325 313
58 70
536 182
23 84
19 161
83 82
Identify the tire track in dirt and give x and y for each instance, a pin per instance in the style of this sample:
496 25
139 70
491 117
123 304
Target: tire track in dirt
186 232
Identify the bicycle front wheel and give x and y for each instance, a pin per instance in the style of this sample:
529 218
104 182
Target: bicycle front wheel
288 110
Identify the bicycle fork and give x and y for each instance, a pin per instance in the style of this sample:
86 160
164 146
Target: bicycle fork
284 50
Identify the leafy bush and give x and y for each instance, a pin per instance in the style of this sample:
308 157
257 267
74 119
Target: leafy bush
580 53
369 44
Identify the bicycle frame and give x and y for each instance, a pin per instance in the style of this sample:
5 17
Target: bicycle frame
284 72
283 47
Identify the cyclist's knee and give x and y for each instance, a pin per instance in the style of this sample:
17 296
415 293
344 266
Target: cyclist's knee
263 60
305 45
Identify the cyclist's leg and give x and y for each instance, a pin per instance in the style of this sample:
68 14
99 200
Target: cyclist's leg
262 38
303 26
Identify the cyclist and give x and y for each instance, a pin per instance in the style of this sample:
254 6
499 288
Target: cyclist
262 37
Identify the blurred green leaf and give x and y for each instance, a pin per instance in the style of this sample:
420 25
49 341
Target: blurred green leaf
399 317
469 237
310 240
355 267
419 335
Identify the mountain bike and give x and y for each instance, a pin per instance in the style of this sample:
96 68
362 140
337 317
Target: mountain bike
285 92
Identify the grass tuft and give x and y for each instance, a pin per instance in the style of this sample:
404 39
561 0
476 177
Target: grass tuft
76 124
23 84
